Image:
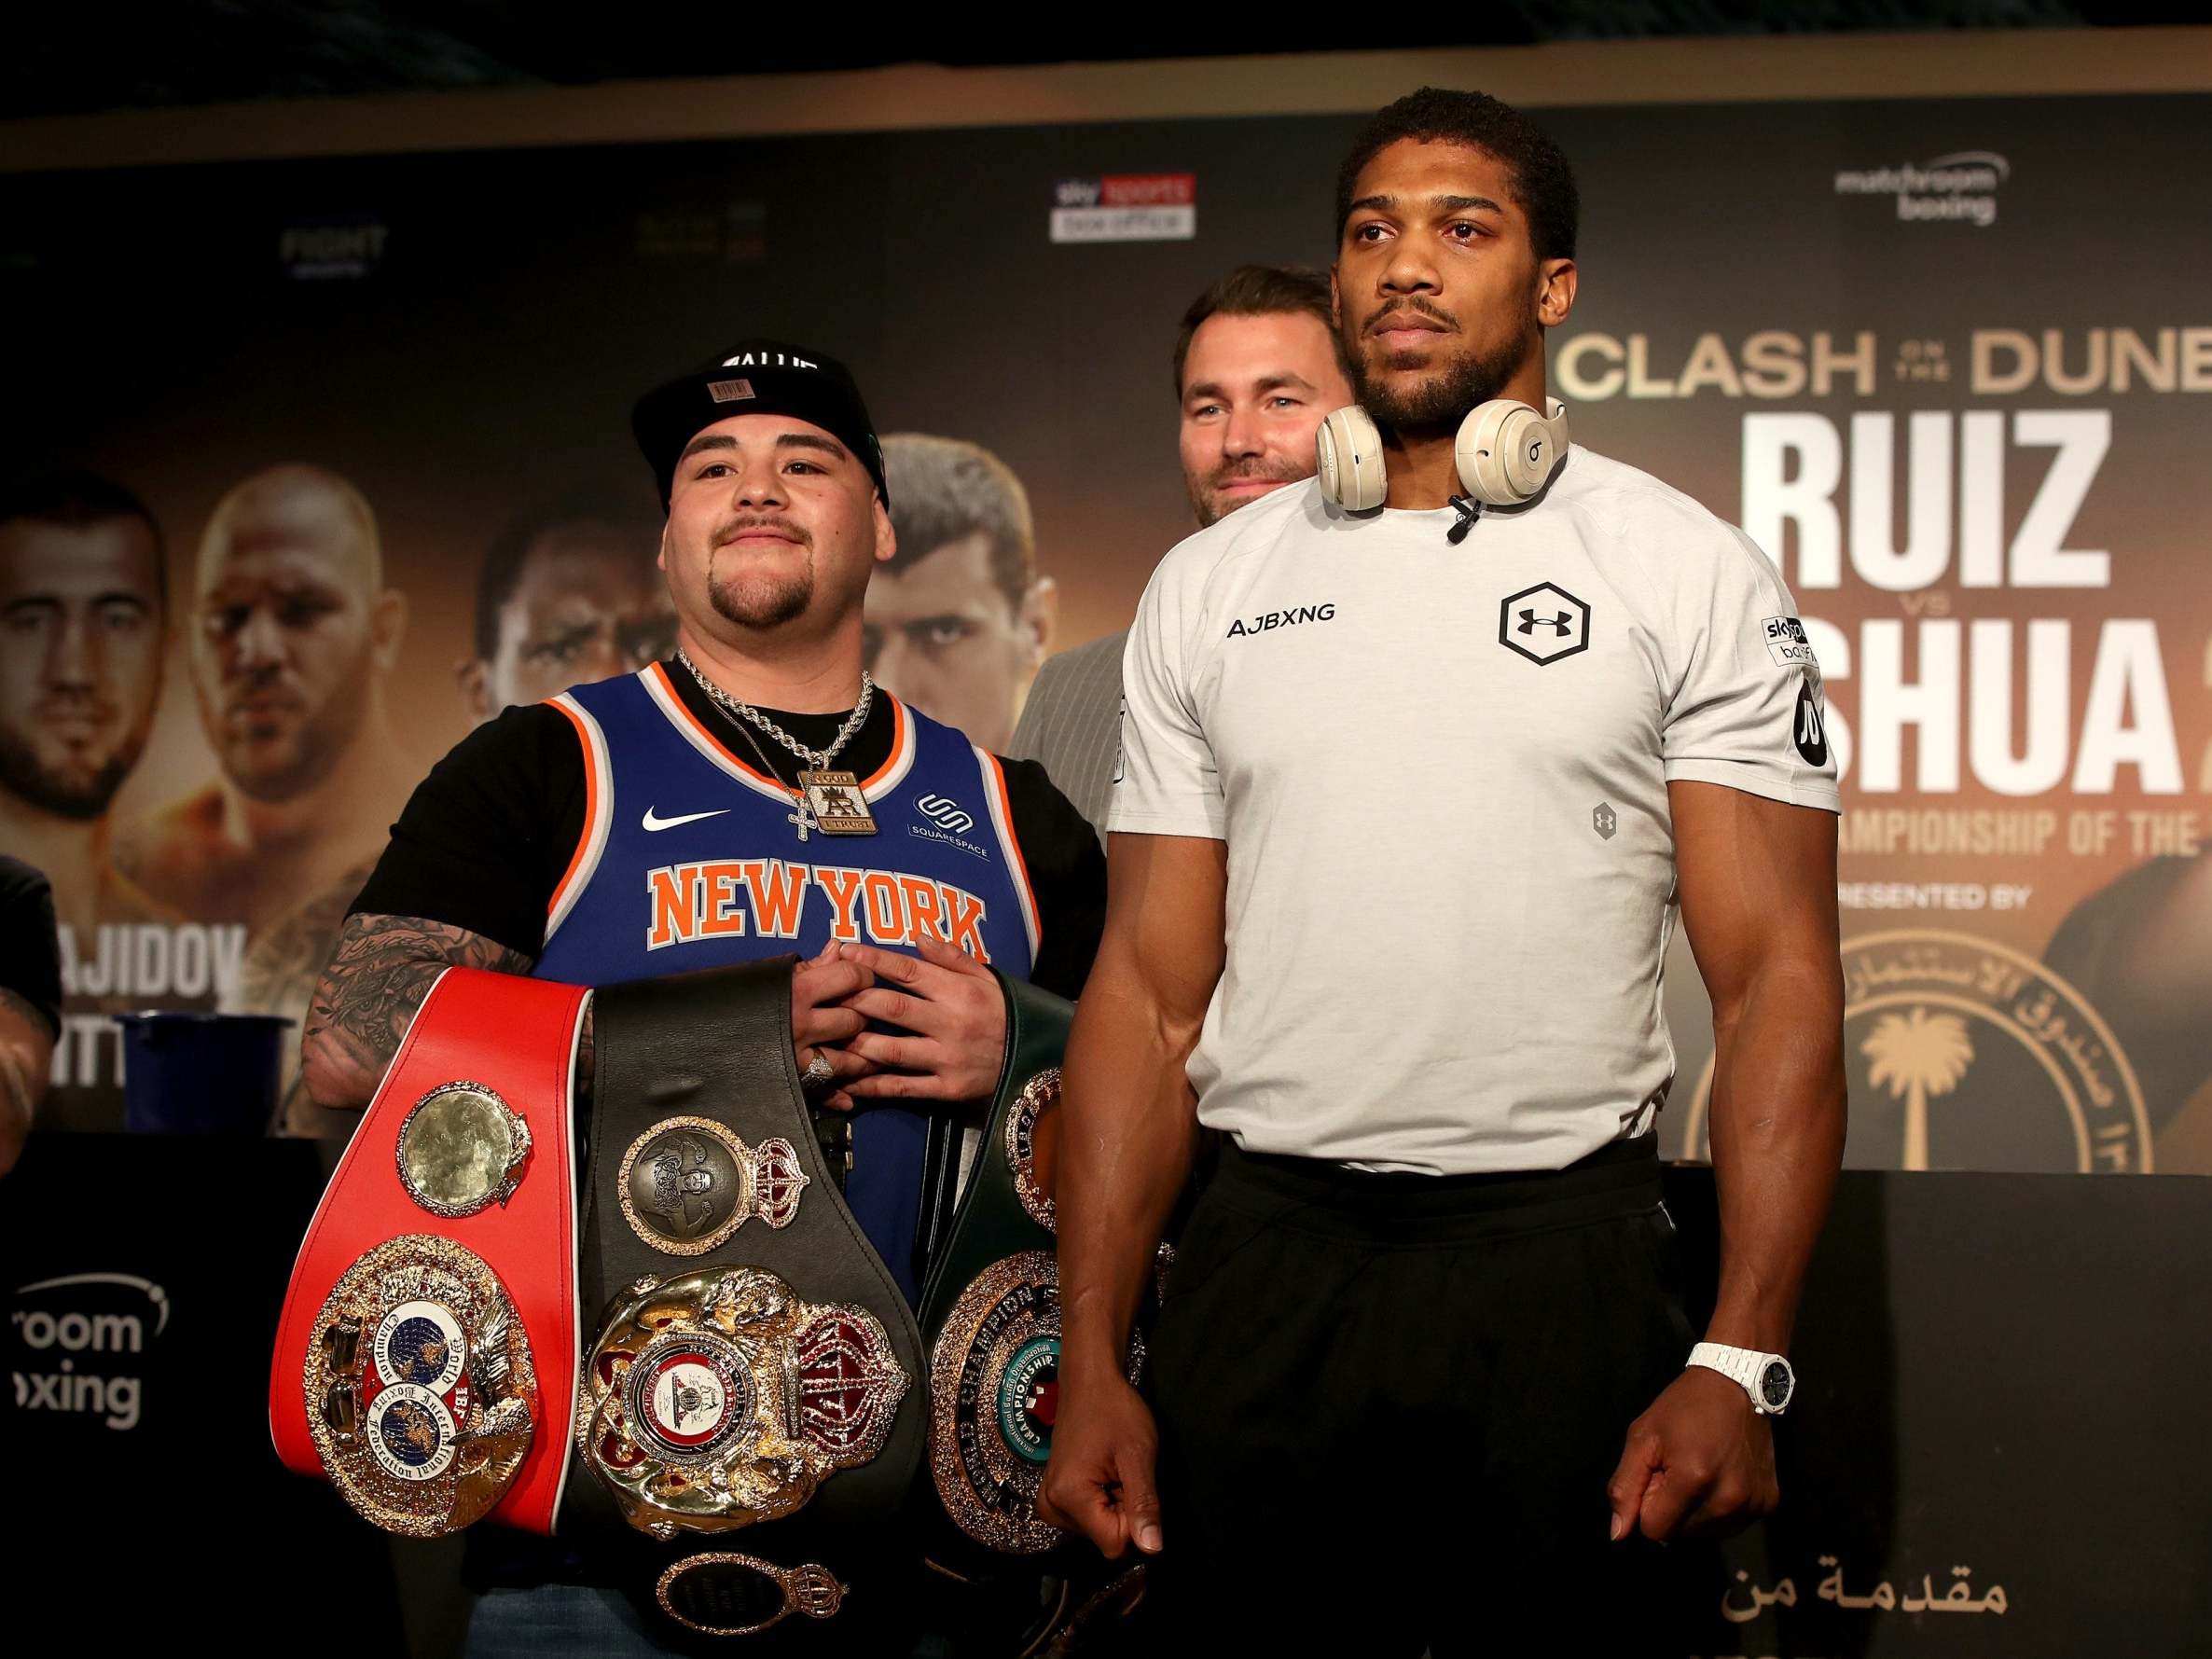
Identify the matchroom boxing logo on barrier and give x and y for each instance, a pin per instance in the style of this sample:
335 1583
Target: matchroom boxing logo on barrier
78 1345
1959 186
1960 1053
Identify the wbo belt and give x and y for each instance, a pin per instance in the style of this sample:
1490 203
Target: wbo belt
705 1341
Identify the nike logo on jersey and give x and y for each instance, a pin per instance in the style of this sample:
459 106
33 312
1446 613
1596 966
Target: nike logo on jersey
654 822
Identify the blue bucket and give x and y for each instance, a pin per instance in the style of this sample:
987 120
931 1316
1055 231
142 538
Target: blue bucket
187 1073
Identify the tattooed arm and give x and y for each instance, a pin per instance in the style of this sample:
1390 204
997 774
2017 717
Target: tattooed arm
377 977
26 1061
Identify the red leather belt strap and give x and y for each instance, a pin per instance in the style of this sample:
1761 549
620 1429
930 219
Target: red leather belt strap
516 1037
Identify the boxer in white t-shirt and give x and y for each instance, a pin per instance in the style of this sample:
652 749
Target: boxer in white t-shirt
1420 761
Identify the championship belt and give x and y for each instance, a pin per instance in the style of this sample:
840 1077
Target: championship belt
991 1310
751 1344
753 1364
425 1358
747 1399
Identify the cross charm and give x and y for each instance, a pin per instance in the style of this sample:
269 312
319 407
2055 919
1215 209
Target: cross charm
803 817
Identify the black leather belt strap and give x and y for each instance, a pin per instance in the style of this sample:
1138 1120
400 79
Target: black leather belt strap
992 1222
716 1044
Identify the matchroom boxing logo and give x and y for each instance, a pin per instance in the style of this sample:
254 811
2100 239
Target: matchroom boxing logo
1961 186
77 1344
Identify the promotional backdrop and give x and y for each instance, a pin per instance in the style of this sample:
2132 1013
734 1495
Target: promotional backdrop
1938 359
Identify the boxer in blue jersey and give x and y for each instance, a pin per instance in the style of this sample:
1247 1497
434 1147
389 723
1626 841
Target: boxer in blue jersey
754 795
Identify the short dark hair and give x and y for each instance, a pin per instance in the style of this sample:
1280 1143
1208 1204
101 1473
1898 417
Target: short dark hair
74 499
1256 291
501 572
1542 178
943 488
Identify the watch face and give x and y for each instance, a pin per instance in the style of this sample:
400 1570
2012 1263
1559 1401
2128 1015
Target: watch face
1775 1383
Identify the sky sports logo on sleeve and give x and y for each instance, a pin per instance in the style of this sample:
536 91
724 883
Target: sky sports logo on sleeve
1786 641
1127 207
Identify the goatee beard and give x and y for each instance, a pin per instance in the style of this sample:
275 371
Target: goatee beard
1442 399
761 611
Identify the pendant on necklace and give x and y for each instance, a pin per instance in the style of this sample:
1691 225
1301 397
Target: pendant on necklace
835 804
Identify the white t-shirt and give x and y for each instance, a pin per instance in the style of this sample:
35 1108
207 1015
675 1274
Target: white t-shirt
1440 770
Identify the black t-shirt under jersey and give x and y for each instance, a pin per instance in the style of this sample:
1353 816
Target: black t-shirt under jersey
486 838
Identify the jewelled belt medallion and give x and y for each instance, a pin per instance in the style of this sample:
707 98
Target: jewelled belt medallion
421 1393
719 1398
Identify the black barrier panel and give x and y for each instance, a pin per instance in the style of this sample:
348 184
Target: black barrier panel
1992 1449
1999 1373
142 1277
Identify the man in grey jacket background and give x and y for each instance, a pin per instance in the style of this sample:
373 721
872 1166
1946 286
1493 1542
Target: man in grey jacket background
1256 370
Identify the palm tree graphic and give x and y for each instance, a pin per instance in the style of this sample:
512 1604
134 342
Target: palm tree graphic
1916 1054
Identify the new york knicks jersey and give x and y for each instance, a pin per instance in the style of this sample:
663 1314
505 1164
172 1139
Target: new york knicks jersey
691 857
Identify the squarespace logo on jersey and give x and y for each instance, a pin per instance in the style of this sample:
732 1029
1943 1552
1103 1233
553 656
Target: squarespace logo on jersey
948 825
76 1345
1961 187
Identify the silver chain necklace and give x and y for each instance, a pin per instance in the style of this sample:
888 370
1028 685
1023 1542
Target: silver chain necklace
817 758
841 808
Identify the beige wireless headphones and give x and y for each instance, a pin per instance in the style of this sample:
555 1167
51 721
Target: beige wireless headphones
1506 453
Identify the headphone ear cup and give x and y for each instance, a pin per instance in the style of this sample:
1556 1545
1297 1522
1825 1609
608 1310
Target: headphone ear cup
1506 453
1348 460
1479 452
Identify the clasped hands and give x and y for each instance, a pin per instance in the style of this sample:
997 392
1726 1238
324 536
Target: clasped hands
949 1014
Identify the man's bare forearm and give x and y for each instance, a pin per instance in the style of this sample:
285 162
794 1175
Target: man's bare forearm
1131 1110
382 970
1778 1120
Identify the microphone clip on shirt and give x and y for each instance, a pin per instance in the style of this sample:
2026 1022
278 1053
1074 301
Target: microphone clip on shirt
1468 511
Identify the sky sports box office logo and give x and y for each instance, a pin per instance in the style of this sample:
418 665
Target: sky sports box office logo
1127 207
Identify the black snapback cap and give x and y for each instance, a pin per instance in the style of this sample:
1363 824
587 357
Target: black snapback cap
755 376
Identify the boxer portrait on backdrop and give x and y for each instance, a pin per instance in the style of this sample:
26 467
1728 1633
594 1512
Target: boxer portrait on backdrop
567 594
1427 1300
293 633
85 602
1256 367
959 619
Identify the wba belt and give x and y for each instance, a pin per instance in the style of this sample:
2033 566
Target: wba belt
694 1340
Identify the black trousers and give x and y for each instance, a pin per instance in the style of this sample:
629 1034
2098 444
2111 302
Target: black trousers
1388 1407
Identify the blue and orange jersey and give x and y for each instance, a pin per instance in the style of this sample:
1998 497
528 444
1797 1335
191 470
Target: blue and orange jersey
691 857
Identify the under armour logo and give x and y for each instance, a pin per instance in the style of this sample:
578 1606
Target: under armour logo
1525 618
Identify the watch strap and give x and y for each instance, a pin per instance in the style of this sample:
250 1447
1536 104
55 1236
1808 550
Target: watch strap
1743 1366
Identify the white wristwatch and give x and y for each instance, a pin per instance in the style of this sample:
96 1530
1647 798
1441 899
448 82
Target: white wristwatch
1767 1378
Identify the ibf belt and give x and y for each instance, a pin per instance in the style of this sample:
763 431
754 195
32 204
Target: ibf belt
425 1355
754 1357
